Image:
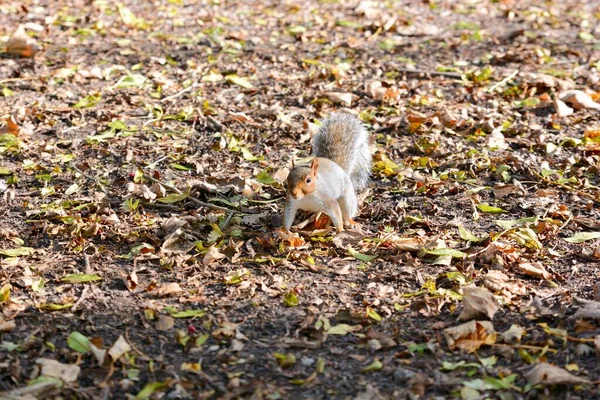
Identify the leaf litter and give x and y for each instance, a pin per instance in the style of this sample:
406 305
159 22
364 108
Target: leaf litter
143 154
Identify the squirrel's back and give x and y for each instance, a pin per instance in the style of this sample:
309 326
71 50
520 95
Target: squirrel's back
343 139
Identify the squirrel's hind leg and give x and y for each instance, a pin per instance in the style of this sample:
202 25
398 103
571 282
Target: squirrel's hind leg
348 205
333 210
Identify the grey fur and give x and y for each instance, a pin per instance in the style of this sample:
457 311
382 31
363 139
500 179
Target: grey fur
344 139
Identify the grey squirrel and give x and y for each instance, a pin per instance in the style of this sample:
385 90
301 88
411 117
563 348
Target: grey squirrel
341 167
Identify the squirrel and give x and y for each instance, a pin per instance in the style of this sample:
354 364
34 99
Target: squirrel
341 168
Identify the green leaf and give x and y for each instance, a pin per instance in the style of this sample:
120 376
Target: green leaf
243 82
359 256
4 171
376 365
174 198
373 314
290 299
19 251
265 178
180 167
130 81
467 235
81 278
189 313
200 340
55 307
149 390
448 366
490 209
445 251
285 360
580 237
78 342
511 223
5 293
248 156
342 329
88 101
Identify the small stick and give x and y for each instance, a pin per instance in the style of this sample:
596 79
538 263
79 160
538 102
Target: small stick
178 94
78 302
100 185
193 199
503 81
453 75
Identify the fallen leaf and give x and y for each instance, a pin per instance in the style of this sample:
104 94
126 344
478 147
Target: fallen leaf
561 109
21 44
66 372
477 303
212 255
579 99
169 289
164 323
547 374
119 348
470 336
341 98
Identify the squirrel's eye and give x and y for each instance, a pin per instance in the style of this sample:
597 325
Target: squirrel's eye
308 180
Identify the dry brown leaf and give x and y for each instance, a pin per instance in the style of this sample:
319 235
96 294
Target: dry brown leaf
66 372
345 99
548 374
7 326
178 242
534 269
470 336
99 354
513 334
579 99
21 44
290 240
168 289
561 109
120 347
496 140
375 90
213 254
164 322
478 303
281 174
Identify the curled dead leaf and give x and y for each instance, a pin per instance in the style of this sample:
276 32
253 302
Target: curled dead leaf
470 336
20 44
561 108
477 303
345 99
579 99
213 254
548 374
120 347
66 372
534 269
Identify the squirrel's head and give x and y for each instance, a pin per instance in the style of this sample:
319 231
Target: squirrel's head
302 180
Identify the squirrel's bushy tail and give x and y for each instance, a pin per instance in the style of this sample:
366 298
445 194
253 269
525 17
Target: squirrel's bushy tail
344 139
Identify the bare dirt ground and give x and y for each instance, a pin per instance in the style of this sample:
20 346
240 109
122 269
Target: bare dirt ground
143 147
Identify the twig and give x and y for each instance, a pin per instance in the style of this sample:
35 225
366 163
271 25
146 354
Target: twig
180 93
193 199
27 78
88 266
20 393
503 81
590 196
453 75
100 185
78 302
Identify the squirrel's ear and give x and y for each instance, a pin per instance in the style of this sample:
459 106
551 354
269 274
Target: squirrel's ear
293 161
314 165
